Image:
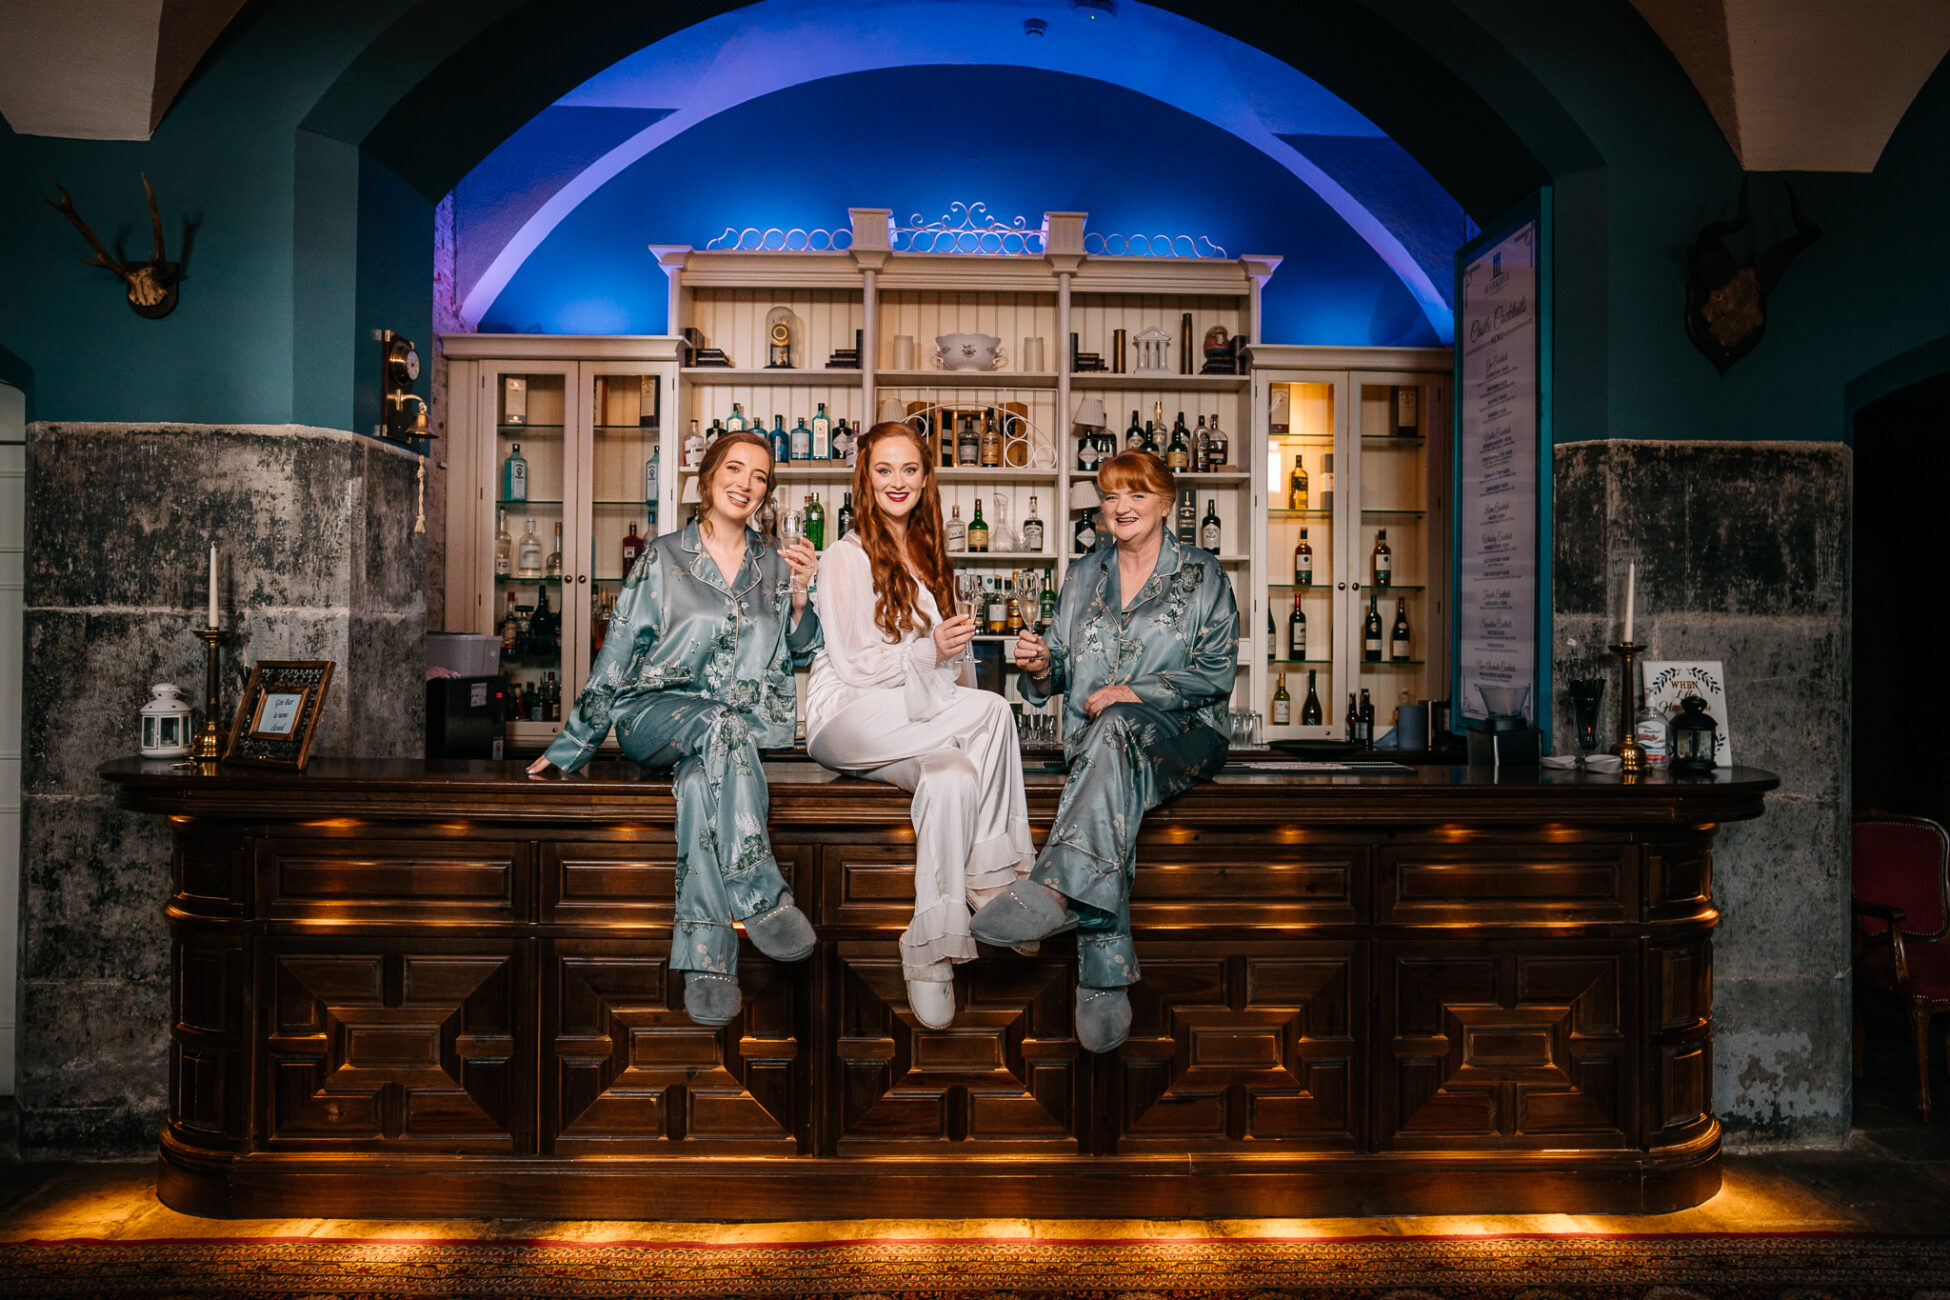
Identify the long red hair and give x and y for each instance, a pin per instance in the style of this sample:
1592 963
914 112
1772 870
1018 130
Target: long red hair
896 595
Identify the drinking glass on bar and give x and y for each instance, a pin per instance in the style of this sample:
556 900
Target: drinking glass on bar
791 529
968 586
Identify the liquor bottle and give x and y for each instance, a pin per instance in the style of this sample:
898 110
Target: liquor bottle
998 606
1202 448
532 700
1310 714
843 441
504 546
1156 445
1398 635
1087 452
1032 528
1327 480
553 568
1150 443
957 530
968 444
1272 638
1208 527
781 441
1352 734
552 699
1367 720
1282 705
514 476
1046 607
1084 540
978 531
1013 624
544 628
1296 494
1187 518
1134 436
1371 633
712 434
802 446
694 445
816 522
1218 448
653 477
736 422
843 522
1303 562
1382 560
528 556
822 434
1178 456
1406 402
1179 432
1650 730
510 625
767 522
632 548
1296 632
991 445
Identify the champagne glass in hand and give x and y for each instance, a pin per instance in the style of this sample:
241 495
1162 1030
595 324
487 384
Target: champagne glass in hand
967 587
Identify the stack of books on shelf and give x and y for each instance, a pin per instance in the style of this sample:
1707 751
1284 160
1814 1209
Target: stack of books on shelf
846 358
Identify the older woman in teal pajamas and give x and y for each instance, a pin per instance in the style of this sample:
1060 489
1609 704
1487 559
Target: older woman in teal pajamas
696 674
1143 649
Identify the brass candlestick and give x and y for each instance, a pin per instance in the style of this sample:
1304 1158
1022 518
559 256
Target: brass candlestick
1631 754
208 747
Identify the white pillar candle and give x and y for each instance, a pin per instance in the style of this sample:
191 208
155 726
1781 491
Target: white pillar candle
1631 582
213 586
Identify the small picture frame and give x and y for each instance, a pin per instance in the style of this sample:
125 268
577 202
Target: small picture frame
277 719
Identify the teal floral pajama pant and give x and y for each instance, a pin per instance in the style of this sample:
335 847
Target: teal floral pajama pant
1132 758
725 868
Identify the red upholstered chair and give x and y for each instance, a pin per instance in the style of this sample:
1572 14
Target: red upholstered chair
1901 868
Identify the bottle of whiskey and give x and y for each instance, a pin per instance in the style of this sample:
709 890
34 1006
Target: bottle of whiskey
736 421
1208 528
1382 560
1187 518
781 441
1134 436
504 546
843 522
632 549
968 444
815 525
978 530
997 617
554 566
1310 715
1219 448
802 448
1178 456
528 556
1303 562
1296 632
1202 448
991 446
1296 493
957 530
514 476
1398 635
1032 528
1282 705
1156 431
1371 633
822 434
1013 623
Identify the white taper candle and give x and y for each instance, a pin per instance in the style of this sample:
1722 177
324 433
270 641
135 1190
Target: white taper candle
1631 583
213 586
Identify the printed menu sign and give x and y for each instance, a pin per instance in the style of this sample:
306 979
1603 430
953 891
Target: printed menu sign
1497 462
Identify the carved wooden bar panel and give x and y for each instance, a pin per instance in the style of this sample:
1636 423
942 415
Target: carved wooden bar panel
406 989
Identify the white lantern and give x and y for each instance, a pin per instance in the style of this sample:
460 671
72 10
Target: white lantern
165 723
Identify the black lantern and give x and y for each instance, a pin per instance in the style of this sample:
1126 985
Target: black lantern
1692 737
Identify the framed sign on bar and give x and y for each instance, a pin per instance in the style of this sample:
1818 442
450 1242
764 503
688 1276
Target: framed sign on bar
1502 489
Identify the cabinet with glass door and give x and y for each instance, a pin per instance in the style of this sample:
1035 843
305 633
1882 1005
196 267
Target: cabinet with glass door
1355 557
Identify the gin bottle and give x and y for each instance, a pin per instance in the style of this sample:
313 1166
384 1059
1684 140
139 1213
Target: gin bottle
528 557
514 476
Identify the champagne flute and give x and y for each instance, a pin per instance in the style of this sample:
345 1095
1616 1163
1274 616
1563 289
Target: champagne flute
791 529
967 585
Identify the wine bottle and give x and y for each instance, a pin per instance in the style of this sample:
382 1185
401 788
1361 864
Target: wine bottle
1310 714
514 476
991 445
1181 432
1367 720
1202 447
1382 559
553 568
544 629
978 530
1178 456
632 548
504 546
1187 518
1371 633
1272 638
1398 635
1209 527
957 530
1219 448
1352 723
1134 436
1303 562
968 445
1150 443
1032 528
528 557
1296 632
998 606
1296 495
781 441
1407 402
816 523
822 434
843 522
1282 705
802 448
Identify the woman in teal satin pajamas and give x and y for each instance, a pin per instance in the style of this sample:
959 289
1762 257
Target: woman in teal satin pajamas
696 674
1145 679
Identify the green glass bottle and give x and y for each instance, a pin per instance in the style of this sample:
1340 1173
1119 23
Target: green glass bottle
815 523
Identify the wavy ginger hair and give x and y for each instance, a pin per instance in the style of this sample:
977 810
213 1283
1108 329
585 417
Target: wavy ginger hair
896 595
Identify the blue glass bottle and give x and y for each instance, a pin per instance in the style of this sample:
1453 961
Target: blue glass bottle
781 441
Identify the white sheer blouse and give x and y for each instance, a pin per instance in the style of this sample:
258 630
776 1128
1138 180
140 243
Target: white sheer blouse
858 658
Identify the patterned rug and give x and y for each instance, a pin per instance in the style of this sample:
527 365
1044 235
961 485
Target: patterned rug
1544 1267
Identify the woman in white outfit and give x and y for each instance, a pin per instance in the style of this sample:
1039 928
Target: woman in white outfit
892 698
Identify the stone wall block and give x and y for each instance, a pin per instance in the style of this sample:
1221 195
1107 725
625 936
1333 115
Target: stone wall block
386 714
392 576
1580 508
94 1043
97 881
1767 530
1783 909
1781 1069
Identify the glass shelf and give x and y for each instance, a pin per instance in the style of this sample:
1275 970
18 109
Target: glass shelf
532 659
1366 665
638 504
627 428
512 429
1398 441
1393 514
509 577
1299 514
1302 663
531 501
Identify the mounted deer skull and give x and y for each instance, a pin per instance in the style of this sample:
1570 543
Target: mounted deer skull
152 284
1726 303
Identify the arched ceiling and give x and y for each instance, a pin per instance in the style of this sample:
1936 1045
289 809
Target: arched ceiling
106 70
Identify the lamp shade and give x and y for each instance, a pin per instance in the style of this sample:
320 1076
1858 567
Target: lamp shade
892 410
1090 412
690 495
1083 495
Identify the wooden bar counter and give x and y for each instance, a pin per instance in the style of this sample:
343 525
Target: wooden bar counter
411 989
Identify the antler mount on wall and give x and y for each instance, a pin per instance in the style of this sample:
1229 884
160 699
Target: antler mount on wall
152 285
